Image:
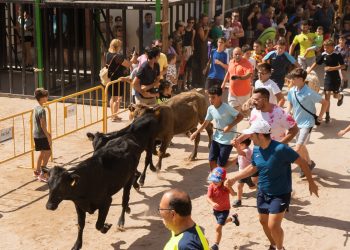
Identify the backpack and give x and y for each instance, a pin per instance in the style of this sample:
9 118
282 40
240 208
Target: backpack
104 72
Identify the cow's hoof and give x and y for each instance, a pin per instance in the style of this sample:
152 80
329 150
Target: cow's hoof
192 158
127 210
166 155
77 246
121 228
105 228
153 168
136 186
141 183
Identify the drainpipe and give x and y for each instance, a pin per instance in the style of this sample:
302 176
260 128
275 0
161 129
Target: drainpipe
158 25
39 46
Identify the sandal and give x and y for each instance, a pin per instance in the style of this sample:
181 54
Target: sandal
116 119
235 219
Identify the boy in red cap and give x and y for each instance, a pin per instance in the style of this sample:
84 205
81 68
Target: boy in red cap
218 197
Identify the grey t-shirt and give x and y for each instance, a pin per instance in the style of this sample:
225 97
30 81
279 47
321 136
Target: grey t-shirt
39 113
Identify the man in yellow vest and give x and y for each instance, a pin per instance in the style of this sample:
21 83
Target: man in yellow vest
175 209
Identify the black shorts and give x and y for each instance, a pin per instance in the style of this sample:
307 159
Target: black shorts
212 82
41 144
248 181
272 204
115 90
332 84
220 153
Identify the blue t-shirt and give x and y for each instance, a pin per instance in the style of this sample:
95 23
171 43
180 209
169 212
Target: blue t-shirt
308 98
223 116
274 167
280 65
216 71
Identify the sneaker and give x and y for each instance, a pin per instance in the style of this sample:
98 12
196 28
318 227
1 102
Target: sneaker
235 219
214 247
36 174
237 203
312 165
42 177
340 101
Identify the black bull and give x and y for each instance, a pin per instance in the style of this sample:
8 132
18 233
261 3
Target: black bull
92 183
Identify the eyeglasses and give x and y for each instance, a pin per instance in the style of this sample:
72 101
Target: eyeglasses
164 209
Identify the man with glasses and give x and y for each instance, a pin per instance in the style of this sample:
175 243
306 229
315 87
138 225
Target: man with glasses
237 30
239 74
175 209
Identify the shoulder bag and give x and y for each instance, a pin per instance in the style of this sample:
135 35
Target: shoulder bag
313 115
104 72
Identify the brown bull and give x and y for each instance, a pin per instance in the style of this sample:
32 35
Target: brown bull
180 115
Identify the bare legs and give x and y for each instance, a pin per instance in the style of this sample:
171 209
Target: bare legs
271 224
42 160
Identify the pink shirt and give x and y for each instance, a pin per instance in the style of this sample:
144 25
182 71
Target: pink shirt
220 195
278 119
244 161
236 28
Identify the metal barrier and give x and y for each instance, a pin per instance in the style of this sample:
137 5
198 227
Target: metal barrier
9 127
123 84
85 108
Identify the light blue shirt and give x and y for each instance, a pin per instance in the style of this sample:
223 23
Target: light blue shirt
308 98
223 116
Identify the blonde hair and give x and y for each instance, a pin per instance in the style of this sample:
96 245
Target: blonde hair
115 45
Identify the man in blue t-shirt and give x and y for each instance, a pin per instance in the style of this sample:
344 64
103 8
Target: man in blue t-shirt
217 64
226 119
272 160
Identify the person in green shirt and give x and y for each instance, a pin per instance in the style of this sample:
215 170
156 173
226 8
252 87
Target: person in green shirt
317 42
175 209
216 32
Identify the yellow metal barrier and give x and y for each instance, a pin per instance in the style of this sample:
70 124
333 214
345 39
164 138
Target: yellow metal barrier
14 129
77 111
125 98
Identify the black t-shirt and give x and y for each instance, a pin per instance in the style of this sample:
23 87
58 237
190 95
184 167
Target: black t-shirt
146 74
331 60
115 69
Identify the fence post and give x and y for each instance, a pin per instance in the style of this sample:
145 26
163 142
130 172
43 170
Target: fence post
104 108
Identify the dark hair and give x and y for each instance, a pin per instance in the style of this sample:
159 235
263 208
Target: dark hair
265 67
305 22
40 93
281 32
118 17
191 18
222 39
281 41
245 48
181 205
148 14
170 57
298 73
258 42
246 142
203 15
178 24
262 91
152 52
215 90
281 17
164 84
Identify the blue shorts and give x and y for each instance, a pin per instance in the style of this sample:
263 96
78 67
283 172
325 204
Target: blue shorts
221 216
219 153
272 204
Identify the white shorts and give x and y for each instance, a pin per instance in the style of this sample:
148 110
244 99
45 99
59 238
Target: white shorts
237 101
303 136
305 62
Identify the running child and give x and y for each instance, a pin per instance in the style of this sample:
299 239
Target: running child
218 197
244 159
332 80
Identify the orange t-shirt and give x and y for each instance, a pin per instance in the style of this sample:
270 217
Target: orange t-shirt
241 68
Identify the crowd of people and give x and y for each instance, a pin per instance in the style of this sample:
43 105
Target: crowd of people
253 60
